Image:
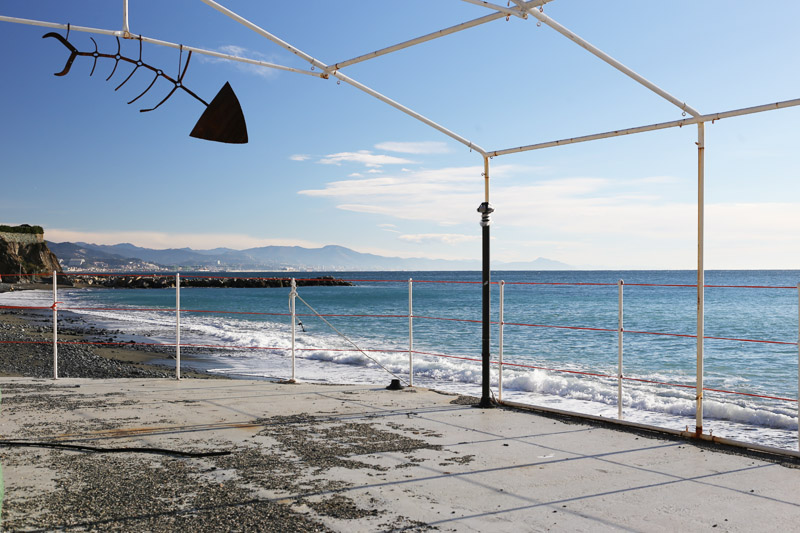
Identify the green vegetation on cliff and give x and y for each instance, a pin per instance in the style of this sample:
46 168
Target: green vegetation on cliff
24 228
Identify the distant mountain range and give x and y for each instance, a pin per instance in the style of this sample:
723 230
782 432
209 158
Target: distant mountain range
327 258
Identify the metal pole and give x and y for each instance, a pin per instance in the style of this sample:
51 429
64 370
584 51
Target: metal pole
620 283
798 366
700 271
500 345
429 37
711 117
125 23
177 46
55 325
485 209
331 71
177 326
410 334
292 299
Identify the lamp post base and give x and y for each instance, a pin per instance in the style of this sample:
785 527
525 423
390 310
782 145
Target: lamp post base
486 403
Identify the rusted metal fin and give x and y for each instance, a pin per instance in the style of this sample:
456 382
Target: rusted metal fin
73 52
161 102
138 64
126 79
177 84
223 120
117 57
95 55
158 73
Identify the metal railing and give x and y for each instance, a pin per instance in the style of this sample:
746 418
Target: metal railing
501 324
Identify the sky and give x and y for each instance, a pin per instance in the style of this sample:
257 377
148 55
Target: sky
329 164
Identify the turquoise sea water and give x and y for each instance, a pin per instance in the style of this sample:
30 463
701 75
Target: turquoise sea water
531 298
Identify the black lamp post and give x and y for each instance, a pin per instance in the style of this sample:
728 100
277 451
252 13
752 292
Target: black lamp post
485 209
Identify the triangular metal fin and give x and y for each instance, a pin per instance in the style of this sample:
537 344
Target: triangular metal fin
223 120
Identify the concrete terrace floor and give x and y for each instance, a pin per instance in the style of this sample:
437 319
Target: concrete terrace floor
356 458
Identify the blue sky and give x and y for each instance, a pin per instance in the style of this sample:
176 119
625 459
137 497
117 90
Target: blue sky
328 164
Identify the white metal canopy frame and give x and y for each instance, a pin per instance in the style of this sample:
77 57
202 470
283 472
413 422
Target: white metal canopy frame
527 10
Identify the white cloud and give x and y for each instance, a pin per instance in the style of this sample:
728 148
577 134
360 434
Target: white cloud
374 171
446 196
428 147
300 157
441 238
364 157
158 240
589 221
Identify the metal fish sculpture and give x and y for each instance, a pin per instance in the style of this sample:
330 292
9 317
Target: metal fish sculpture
223 119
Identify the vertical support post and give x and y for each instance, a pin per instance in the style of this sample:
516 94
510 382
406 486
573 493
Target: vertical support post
292 300
500 343
55 325
410 334
125 24
485 209
177 326
620 284
700 272
798 366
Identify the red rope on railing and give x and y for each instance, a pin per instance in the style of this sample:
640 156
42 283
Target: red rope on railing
132 344
558 327
341 315
445 356
520 365
445 281
557 283
473 321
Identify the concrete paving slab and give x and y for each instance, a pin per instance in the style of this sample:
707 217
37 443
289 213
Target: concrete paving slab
353 458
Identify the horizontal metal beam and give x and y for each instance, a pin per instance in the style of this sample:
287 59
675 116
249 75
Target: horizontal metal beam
430 36
651 127
126 35
506 11
350 81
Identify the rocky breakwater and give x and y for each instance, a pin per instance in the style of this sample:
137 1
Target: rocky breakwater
166 282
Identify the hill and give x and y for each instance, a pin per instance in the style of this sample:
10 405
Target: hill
271 258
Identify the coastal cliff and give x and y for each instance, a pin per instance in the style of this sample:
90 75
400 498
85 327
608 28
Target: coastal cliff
23 254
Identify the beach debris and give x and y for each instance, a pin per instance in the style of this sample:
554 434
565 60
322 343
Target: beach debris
223 119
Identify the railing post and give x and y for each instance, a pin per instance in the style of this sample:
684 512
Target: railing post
55 325
700 274
620 283
500 348
177 326
292 300
410 333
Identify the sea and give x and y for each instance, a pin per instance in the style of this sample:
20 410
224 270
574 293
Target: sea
560 338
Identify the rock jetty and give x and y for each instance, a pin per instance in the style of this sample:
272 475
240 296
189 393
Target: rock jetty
168 281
